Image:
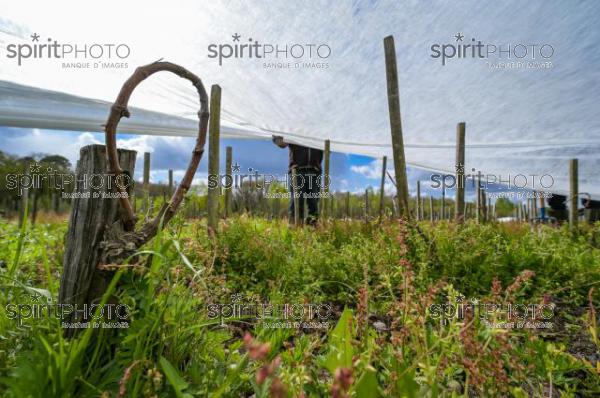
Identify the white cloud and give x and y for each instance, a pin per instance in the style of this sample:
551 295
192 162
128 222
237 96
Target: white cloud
371 171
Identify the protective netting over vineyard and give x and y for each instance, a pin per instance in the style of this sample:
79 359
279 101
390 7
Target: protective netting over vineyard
528 92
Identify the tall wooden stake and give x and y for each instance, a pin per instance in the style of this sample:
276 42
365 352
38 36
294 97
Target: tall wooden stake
443 204
229 179
382 188
331 203
430 208
24 206
366 205
484 205
348 205
35 198
419 204
146 181
574 192
396 126
170 182
295 198
459 210
212 202
326 155
478 206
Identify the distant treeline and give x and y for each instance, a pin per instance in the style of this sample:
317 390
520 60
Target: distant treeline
34 181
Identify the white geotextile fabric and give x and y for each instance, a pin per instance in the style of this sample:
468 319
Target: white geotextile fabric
519 121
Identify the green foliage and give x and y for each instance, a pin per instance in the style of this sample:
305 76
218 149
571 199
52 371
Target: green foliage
370 275
176 381
340 343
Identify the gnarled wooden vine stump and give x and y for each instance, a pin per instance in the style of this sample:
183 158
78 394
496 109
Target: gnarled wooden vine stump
94 218
102 231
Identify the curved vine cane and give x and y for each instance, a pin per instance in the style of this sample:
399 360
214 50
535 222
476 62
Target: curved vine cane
119 110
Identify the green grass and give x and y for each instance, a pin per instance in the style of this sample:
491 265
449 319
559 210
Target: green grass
371 275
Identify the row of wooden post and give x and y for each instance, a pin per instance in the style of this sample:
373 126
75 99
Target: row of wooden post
401 181
400 162
483 208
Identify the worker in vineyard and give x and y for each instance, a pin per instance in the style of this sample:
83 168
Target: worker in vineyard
306 162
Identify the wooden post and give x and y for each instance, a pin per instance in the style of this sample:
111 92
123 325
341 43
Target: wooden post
348 205
382 188
443 204
574 192
396 126
430 208
212 201
532 209
460 173
520 211
325 182
170 182
146 182
478 205
366 204
295 199
331 203
419 210
24 206
229 180
93 221
35 198
484 205
304 210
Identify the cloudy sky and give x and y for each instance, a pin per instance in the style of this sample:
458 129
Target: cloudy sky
527 119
